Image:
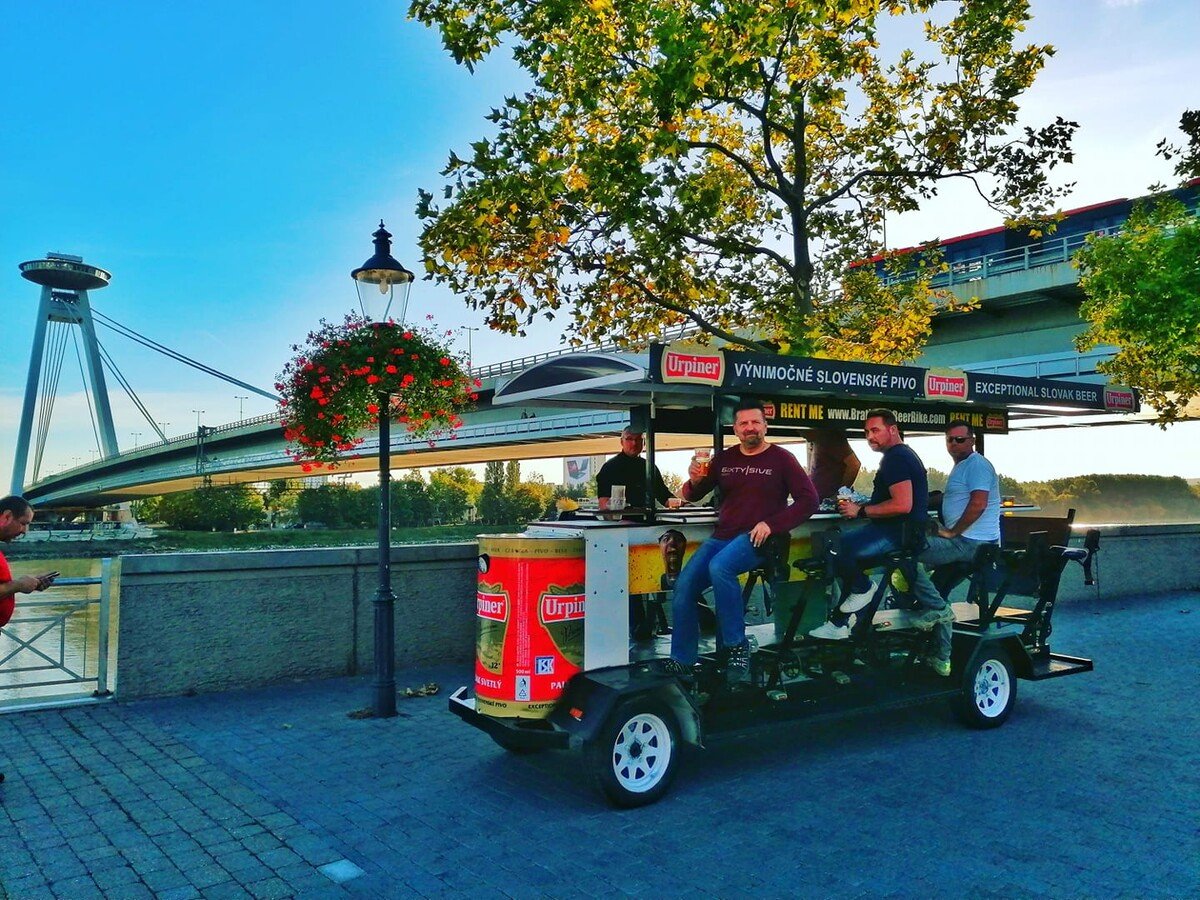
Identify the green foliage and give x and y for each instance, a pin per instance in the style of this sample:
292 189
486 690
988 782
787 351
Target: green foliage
280 500
720 165
505 500
1187 158
1143 296
211 508
411 504
1115 498
452 492
1095 498
337 506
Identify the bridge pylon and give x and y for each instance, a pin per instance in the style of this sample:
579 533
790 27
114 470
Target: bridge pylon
65 281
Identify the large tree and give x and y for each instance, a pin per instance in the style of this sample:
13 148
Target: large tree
720 165
1142 289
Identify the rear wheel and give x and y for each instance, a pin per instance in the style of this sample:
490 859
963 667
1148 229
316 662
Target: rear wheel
989 690
634 757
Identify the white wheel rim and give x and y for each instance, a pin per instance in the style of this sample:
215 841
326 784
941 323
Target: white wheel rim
992 688
642 753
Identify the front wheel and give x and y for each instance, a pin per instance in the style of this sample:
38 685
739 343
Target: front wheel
634 757
989 690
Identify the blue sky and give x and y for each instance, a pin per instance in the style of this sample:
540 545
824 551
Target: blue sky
227 162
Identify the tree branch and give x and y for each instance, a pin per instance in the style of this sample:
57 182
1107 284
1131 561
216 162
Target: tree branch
758 180
700 321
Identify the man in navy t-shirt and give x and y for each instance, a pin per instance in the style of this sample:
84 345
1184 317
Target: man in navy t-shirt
756 478
901 494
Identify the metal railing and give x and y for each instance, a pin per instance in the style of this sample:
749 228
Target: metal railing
1003 262
56 648
516 365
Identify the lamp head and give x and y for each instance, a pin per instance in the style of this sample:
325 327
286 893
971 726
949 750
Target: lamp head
382 283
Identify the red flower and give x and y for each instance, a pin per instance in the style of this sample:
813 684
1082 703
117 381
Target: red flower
372 379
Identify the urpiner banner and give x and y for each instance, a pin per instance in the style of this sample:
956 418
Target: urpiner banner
767 374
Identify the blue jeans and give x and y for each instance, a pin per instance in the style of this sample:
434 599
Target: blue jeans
857 544
716 564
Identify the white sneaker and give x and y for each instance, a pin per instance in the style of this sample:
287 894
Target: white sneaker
831 632
855 602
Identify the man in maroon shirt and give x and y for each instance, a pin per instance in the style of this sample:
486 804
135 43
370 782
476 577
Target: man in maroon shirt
755 479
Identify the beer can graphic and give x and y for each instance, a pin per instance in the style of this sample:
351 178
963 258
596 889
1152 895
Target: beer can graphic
529 623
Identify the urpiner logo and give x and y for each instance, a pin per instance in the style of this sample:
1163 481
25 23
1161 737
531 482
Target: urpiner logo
491 606
953 385
1120 399
694 368
561 607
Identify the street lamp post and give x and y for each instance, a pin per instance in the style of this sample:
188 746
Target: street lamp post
136 435
241 399
199 413
383 285
470 358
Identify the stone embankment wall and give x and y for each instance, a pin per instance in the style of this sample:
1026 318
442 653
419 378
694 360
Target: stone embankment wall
200 622
219 621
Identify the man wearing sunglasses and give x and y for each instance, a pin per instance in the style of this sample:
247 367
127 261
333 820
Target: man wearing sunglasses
971 517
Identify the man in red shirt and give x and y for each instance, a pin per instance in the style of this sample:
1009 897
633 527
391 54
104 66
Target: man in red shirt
15 516
755 479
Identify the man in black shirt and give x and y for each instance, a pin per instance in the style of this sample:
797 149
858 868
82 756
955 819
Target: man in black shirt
629 469
901 492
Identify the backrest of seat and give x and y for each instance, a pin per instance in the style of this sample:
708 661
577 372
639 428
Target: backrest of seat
1015 530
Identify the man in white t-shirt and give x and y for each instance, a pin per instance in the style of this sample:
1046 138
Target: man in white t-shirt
971 513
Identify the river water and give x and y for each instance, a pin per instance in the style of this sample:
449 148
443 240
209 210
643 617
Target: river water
56 625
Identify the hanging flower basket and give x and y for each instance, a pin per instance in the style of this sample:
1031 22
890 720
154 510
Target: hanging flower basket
344 375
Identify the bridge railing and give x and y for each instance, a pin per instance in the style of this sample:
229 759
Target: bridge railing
1004 262
518 365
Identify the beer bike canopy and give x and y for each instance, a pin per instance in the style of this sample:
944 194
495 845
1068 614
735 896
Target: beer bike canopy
804 391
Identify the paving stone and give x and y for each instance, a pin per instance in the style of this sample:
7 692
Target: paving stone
425 806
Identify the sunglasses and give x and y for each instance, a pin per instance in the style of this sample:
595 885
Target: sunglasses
950 439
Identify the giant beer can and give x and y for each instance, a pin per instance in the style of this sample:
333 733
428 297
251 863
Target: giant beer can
529 623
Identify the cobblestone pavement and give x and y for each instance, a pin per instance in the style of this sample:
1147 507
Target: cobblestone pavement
1092 789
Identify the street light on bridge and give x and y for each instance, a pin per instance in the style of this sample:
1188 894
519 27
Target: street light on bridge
241 399
199 413
383 286
470 358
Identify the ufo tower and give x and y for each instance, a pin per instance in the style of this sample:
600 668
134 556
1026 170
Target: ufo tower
65 281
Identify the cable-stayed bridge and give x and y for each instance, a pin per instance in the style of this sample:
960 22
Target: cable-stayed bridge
1025 326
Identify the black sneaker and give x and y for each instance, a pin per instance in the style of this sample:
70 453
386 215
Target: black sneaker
737 669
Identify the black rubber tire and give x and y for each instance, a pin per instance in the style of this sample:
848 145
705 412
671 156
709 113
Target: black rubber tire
634 757
989 690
